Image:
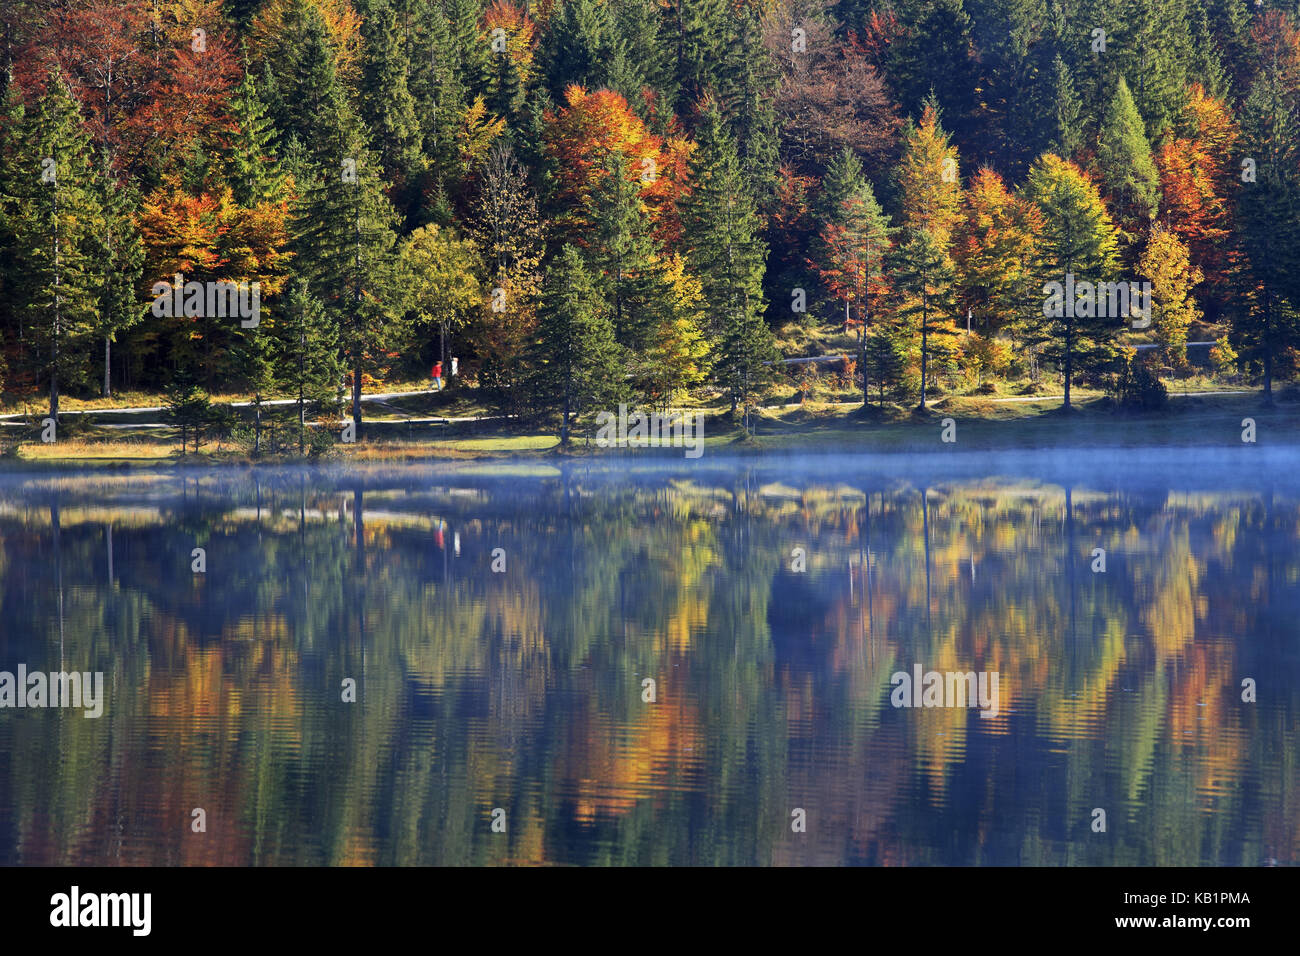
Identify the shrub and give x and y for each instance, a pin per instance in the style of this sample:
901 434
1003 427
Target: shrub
1137 385
1223 357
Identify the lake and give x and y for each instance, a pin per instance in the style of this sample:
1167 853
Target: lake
660 661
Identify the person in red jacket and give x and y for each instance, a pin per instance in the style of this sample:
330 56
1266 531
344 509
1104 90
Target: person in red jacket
437 375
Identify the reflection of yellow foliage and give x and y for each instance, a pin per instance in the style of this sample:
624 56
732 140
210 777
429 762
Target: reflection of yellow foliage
690 611
940 732
1079 716
1169 609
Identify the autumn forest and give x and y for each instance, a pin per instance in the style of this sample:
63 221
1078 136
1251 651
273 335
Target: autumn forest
655 201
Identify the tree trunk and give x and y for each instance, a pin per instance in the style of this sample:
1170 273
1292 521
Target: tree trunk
925 349
1069 363
54 339
356 390
54 383
108 365
1268 348
564 424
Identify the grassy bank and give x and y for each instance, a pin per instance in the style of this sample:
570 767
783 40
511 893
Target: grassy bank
978 424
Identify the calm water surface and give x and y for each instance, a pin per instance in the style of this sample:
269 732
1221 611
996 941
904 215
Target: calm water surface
522 690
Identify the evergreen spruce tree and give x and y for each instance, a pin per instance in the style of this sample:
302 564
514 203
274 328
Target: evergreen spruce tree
506 91
255 361
1156 53
307 353
344 246
1230 23
301 87
1205 63
54 217
924 274
622 254
852 244
746 81
435 84
470 46
1078 240
884 361
117 263
252 169
697 46
932 57
844 179
187 406
1267 322
1066 118
386 99
579 47
578 364
726 252
1124 161
639 58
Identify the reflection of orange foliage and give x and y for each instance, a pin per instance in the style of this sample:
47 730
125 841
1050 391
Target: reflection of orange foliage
1198 717
358 849
615 765
248 670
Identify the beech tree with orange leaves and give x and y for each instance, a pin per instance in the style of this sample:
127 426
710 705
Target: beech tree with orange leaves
1196 184
582 134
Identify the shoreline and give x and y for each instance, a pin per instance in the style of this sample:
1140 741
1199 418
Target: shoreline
950 427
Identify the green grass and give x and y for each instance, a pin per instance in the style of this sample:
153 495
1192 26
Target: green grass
809 428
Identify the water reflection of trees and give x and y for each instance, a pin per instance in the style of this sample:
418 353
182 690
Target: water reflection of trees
523 690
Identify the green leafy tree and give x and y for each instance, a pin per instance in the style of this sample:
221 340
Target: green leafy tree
508 231
445 272
1166 264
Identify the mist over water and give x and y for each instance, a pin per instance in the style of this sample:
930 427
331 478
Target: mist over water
522 689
